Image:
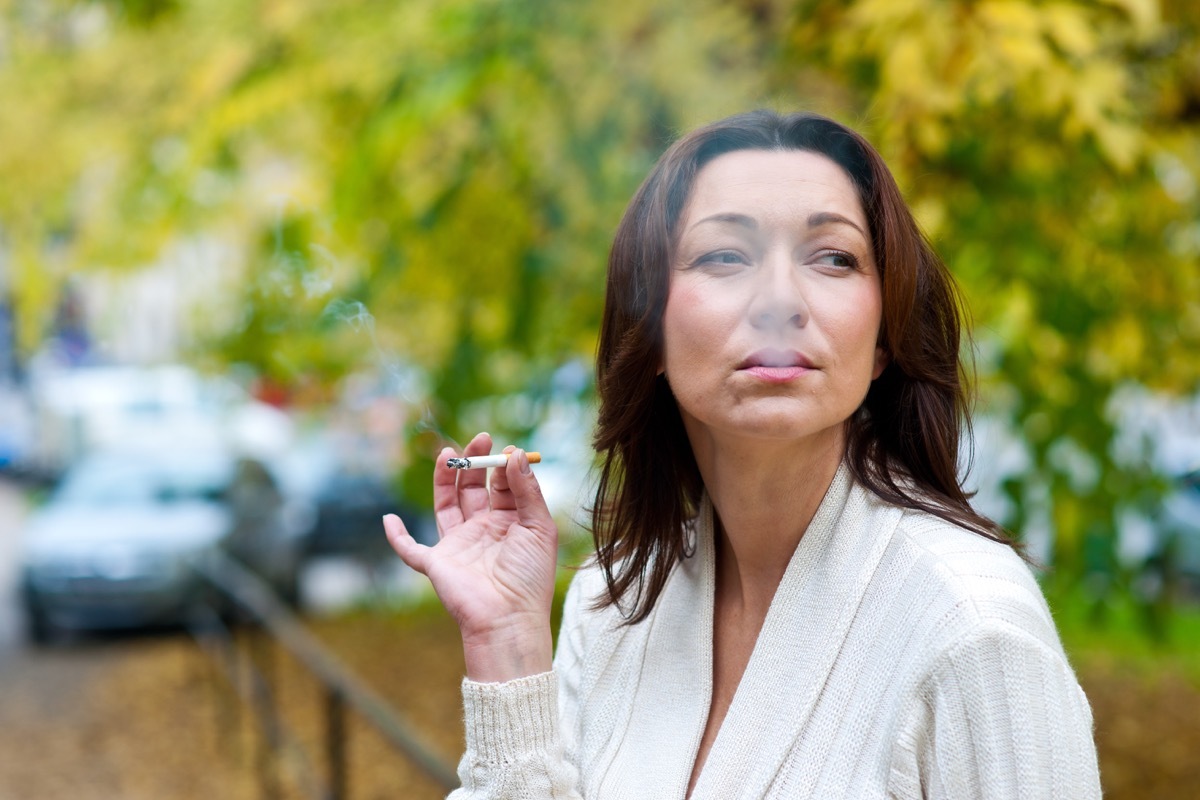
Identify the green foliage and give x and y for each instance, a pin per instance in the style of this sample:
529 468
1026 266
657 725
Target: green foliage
463 162
435 182
1123 636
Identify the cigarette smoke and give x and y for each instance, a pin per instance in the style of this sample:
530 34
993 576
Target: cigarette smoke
403 381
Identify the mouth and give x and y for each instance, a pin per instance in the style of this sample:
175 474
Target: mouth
776 366
772 358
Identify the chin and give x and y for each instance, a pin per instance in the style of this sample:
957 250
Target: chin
771 420
781 427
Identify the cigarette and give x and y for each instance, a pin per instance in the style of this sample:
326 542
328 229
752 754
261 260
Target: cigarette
483 462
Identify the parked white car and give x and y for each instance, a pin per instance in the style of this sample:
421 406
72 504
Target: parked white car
114 545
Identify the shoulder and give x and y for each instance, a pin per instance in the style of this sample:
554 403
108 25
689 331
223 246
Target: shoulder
978 637
964 584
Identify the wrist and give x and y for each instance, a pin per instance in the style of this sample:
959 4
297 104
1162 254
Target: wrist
506 652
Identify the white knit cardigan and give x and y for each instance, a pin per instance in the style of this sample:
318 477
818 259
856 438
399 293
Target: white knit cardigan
901 657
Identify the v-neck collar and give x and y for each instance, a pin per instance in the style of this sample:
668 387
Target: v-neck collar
806 624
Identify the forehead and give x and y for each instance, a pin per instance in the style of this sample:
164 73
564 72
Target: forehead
772 183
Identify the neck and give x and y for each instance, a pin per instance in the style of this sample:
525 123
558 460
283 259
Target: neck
764 495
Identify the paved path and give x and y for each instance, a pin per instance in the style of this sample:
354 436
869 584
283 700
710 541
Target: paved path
42 692
13 506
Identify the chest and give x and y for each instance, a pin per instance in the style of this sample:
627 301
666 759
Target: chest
734 637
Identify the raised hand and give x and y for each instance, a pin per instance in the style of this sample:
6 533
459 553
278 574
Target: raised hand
493 565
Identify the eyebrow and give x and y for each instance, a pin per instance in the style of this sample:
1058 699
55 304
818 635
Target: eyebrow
815 220
833 218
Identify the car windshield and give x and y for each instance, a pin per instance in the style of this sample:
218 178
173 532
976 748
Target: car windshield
111 481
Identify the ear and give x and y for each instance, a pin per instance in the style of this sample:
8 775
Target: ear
881 362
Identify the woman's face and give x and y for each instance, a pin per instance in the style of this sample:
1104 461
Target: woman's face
774 307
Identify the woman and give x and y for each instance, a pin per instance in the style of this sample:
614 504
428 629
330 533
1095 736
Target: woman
791 596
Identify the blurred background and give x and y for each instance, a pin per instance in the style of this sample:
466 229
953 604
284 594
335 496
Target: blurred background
260 259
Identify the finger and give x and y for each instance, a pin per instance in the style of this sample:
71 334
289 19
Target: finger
532 511
446 510
472 483
502 496
410 551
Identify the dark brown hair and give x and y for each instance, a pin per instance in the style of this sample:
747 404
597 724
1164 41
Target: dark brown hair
902 443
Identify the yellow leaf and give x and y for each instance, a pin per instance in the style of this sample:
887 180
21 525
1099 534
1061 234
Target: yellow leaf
1121 144
905 69
1012 16
931 214
1144 14
1070 29
1118 349
932 136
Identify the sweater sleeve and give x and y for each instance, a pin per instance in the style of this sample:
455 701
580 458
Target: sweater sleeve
1007 719
520 734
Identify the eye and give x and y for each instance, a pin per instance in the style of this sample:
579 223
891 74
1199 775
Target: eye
723 258
838 259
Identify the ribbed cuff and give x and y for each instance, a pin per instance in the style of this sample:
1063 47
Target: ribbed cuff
506 722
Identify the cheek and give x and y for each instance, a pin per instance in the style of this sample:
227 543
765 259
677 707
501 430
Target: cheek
693 324
855 334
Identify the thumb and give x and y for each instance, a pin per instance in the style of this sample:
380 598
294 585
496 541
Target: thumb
410 551
532 511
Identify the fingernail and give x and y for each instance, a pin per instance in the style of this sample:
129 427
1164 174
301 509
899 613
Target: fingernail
523 462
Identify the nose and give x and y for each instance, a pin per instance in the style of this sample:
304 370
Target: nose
778 297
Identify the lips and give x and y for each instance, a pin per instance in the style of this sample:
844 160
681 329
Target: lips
776 366
772 358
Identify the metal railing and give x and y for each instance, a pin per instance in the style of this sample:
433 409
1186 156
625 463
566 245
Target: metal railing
251 679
